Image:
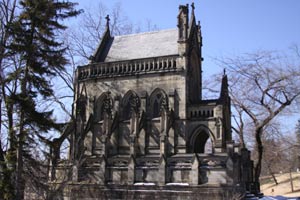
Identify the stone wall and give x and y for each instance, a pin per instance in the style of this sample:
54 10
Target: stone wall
171 192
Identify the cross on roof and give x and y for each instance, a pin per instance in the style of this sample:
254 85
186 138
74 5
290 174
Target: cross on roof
107 20
193 6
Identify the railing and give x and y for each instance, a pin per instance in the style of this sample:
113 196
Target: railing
131 67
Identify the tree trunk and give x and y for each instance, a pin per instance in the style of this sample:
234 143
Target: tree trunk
9 166
2 158
274 178
259 146
272 173
20 182
242 141
291 180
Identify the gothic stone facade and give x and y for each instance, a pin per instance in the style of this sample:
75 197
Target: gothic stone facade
141 127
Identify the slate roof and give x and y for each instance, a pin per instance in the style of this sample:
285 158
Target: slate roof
143 45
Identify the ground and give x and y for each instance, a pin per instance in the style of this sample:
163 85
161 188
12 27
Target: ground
269 188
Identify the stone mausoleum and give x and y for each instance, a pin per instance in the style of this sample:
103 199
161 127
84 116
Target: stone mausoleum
141 129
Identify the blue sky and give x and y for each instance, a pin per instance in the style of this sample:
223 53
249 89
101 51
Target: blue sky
229 27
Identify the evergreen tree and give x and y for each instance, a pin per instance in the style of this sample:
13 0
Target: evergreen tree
41 57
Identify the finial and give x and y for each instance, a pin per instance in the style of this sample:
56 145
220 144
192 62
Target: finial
193 6
224 71
107 21
91 58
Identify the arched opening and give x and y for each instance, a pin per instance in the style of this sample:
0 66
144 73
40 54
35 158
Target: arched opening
208 146
158 99
126 111
102 103
200 141
155 109
130 102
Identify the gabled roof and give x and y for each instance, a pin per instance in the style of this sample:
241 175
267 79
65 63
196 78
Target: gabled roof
142 45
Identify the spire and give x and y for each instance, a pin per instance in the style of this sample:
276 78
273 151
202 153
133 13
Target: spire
193 20
224 88
193 8
183 22
102 49
107 22
199 34
193 14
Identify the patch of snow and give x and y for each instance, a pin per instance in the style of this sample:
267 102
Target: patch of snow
182 184
279 198
142 183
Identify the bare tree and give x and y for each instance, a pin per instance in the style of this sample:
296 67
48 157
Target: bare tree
7 15
262 85
82 39
274 150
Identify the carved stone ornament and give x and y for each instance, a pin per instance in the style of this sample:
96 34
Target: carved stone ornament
107 104
135 103
164 104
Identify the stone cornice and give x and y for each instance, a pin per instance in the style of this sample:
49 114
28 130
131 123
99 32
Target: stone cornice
129 67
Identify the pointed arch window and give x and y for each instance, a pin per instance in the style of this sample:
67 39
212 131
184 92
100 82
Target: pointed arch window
158 100
130 103
103 104
126 111
98 111
156 109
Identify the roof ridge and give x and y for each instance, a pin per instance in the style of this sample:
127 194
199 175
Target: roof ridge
145 33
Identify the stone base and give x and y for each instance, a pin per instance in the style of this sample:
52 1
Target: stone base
151 192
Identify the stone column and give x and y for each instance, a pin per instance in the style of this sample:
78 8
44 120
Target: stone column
75 172
194 174
107 118
163 144
103 140
162 171
163 132
106 132
131 171
135 104
134 122
102 176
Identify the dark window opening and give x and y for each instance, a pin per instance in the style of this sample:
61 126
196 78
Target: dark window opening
200 141
126 111
155 109
174 64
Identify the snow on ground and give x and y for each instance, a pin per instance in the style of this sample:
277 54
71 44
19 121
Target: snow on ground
283 189
182 184
279 198
142 183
